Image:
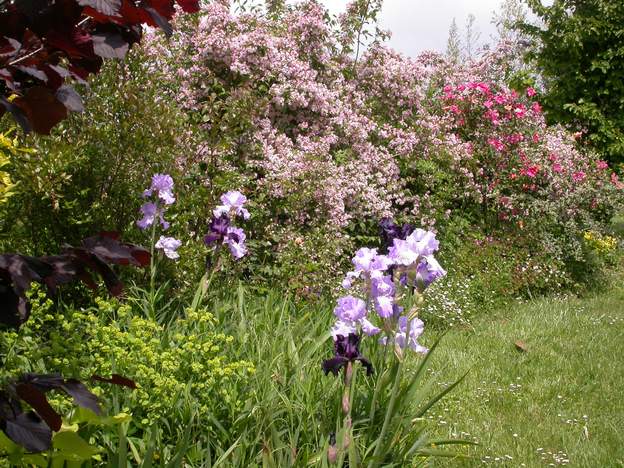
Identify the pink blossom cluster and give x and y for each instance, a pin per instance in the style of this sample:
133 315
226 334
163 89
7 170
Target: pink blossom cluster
329 139
513 162
310 132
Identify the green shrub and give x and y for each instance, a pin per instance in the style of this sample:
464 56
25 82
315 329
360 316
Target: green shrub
183 370
89 174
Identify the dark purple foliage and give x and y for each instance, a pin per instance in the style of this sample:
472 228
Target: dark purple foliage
44 43
33 429
94 258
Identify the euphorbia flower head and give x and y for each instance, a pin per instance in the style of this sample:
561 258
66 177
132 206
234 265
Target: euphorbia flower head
346 349
232 203
169 245
162 185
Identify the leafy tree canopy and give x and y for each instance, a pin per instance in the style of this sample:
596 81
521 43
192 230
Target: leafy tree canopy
579 51
47 44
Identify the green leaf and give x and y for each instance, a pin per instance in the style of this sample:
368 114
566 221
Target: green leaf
73 446
7 444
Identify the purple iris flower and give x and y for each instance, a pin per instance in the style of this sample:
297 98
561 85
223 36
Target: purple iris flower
382 292
235 240
428 271
218 230
169 245
368 328
351 309
389 231
232 203
347 282
384 305
346 349
382 286
419 243
162 184
344 328
364 259
402 339
368 263
150 211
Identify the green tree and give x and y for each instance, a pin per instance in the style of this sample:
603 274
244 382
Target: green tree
579 51
453 44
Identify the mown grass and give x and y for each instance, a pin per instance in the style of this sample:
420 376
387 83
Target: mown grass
560 402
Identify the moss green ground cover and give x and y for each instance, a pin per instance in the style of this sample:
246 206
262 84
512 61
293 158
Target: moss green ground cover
560 402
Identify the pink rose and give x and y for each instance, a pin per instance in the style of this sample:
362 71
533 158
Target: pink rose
578 176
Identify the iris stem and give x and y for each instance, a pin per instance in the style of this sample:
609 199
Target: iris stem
152 293
206 280
373 406
395 392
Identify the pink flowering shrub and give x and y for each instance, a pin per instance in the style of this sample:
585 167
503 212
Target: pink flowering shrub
296 132
327 143
516 171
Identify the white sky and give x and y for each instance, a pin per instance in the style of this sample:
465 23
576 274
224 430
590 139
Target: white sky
419 25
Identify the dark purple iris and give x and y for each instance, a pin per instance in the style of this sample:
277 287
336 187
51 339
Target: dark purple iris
218 230
389 230
346 350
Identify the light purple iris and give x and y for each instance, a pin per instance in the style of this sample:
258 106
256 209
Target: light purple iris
162 185
343 328
363 259
384 305
351 309
368 263
402 339
382 292
419 243
346 327
415 330
150 212
235 240
368 328
382 286
169 245
429 270
232 203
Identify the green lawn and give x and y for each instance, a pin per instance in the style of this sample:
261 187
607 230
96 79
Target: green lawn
559 403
